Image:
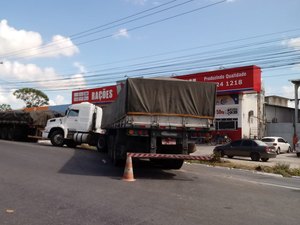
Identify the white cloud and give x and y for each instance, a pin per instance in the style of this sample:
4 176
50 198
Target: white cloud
31 72
44 79
21 43
137 2
288 91
294 43
24 72
122 33
80 67
59 100
7 97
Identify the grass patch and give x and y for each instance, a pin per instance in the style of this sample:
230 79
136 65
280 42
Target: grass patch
280 168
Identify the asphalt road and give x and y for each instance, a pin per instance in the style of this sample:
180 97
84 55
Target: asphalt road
43 185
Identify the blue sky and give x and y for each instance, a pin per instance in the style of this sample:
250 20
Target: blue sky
60 46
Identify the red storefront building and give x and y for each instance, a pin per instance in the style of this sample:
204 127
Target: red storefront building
239 105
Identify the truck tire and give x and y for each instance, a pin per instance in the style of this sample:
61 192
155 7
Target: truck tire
3 134
111 143
71 143
117 161
10 133
20 134
101 144
57 138
114 147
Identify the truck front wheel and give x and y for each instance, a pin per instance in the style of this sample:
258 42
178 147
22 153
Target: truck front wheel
57 138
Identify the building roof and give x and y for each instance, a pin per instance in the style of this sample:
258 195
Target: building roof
276 96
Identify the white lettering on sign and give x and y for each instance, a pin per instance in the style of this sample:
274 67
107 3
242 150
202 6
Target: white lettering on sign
102 95
235 75
230 83
81 96
217 77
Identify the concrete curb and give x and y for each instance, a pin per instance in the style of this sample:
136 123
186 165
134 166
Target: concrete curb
268 174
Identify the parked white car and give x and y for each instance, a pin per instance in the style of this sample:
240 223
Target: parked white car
279 143
298 148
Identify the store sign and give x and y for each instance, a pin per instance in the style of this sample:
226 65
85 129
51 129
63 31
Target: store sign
240 79
96 95
227 111
232 99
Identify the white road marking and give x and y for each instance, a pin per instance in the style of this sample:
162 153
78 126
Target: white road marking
268 184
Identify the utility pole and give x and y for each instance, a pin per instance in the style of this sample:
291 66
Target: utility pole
295 137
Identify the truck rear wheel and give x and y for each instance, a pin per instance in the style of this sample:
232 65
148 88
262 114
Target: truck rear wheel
57 138
117 161
101 144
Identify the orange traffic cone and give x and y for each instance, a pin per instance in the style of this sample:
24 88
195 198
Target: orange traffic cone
128 171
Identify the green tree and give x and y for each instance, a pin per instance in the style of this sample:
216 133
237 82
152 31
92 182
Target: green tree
32 97
5 107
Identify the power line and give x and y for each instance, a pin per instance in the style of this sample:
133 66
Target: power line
204 59
79 34
204 56
133 28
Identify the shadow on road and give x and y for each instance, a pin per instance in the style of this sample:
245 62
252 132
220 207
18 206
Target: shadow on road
91 163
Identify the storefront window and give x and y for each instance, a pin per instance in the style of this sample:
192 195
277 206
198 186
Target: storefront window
225 124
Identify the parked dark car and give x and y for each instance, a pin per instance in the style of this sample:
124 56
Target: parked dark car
255 149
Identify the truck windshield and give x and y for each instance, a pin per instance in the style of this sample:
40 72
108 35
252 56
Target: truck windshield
73 112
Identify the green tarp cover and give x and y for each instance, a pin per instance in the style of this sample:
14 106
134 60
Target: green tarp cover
164 96
36 118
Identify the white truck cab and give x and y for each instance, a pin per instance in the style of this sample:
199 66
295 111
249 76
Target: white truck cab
81 124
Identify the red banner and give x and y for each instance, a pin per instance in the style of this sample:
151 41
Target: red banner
240 79
96 95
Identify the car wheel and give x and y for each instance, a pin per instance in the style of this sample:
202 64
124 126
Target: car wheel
230 156
264 159
255 156
278 151
222 153
298 154
290 149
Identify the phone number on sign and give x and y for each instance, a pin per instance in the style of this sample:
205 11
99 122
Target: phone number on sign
230 83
